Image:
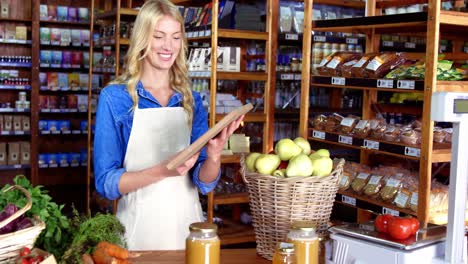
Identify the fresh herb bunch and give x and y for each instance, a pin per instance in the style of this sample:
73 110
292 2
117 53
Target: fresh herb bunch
88 232
56 236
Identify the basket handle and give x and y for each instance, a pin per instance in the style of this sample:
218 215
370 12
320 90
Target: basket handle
22 210
243 168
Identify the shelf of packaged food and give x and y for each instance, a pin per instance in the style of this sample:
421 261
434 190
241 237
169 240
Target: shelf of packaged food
68 24
385 85
15 133
62 111
15 41
453 18
64 132
16 20
250 117
14 110
399 3
352 199
234 158
18 65
231 198
14 167
343 3
59 166
242 34
235 233
452 86
288 76
341 40
112 13
242 76
291 114
63 176
15 87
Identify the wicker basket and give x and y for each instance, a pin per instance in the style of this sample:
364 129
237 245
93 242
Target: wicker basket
276 202
11 243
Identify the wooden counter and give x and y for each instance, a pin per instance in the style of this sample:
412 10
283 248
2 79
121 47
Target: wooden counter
228 256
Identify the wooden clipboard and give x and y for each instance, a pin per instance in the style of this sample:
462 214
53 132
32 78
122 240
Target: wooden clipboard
196 146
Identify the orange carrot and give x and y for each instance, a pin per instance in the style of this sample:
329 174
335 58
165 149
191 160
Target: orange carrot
113 250
101 257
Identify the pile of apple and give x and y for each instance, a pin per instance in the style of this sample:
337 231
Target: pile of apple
291 158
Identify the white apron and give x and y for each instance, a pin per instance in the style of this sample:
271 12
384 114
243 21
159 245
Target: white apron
157 217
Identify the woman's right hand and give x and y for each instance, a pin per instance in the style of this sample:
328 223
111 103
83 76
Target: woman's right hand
181 170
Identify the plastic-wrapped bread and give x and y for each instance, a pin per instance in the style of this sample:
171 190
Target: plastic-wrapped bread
373 185
347 124
410 136
377 128
333 66
333 122
362 128
346 179
383 63
358 69
392 133
391 187
360 181
320 122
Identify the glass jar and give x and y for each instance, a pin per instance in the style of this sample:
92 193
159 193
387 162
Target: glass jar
306 242
294 64
202 245
284 254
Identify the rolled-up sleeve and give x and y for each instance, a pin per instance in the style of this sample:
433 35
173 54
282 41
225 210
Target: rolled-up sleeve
199 127
108 150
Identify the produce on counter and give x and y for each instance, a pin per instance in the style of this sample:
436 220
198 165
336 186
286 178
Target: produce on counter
396 227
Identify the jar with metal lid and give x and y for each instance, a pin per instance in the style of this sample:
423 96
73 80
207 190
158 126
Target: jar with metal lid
202 245
294 64
284 254
306 242
326 49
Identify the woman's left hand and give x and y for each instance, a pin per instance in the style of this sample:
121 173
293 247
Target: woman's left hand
215 146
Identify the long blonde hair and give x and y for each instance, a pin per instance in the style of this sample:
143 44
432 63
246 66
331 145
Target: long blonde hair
149 15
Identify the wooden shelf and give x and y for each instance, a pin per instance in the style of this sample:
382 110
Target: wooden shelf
368 203
343 3
399 3
123 11
124 41
452 86
242 76
250 117
233 198
242 34
454 18
367 84
230 159
235 233
16 20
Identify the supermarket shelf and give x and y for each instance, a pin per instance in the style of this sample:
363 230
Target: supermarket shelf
123 11
368 203
405 107
453 18
65 132
15 87
14 167
232 198
14 110
15 133
66 23
242 76
235 233
343 3
386 85
19 20
250 117
234 158
452 86
242 34
441 155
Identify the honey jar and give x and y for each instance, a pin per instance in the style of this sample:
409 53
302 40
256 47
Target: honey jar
202 245
306 242
284 254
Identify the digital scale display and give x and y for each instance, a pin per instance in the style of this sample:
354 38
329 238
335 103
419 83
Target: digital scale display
460 106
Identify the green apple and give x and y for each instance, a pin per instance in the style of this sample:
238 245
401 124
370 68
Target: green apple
300 165
320 153
323 166
286 149
303 144
267 163
250 161
279 173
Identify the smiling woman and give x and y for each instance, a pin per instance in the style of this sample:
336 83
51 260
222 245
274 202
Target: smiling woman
144 118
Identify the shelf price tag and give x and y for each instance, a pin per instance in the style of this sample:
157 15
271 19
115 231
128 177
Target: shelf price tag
384 83
292 37
297 77
443 48
410 45
386 210
351 40
345 140
465 49
19 132
405 84
320 38
387 43
338 81
369 144
318 134
288 76
17 166
348 200
207 32
413 152
4 133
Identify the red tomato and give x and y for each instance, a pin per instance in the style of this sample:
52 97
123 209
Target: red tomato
381 222
25 252
26 261
414 225
399 228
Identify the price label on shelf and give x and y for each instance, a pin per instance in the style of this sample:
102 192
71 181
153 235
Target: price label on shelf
386 210
351 40
207 32
405 84
320 38
370 144
348 200
297 77
19 132
17 166
443 48
387 43
384 83
465 49
338 81
412 152
4 133
287 76
292 37
410 45
345 140
318 134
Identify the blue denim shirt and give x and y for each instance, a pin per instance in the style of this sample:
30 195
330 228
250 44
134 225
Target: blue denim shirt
113 126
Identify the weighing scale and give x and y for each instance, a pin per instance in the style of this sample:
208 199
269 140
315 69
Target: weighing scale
360 244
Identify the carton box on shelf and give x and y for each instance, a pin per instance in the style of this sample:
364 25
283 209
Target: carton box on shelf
46 58
74 81
43 15
7 123
26 123
52 13
17 123
65 37
44 35
83 14
5 9
63 81
72 14
56 59
3 154
55 36
84 78
76 37
66 59
13 153
10 31
21 33
62 13
84 37
52 81
25 149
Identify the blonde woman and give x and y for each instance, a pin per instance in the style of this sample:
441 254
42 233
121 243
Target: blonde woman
144 118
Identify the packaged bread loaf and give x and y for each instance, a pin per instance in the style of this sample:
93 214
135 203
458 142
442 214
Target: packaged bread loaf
410 136
448 135
333 122
392 133
321 69
391 186
439 135
373 185
346 180
377 128
348 123
403 199
345 69
362 128
359 69
320 122
383 63
332 67
359 182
